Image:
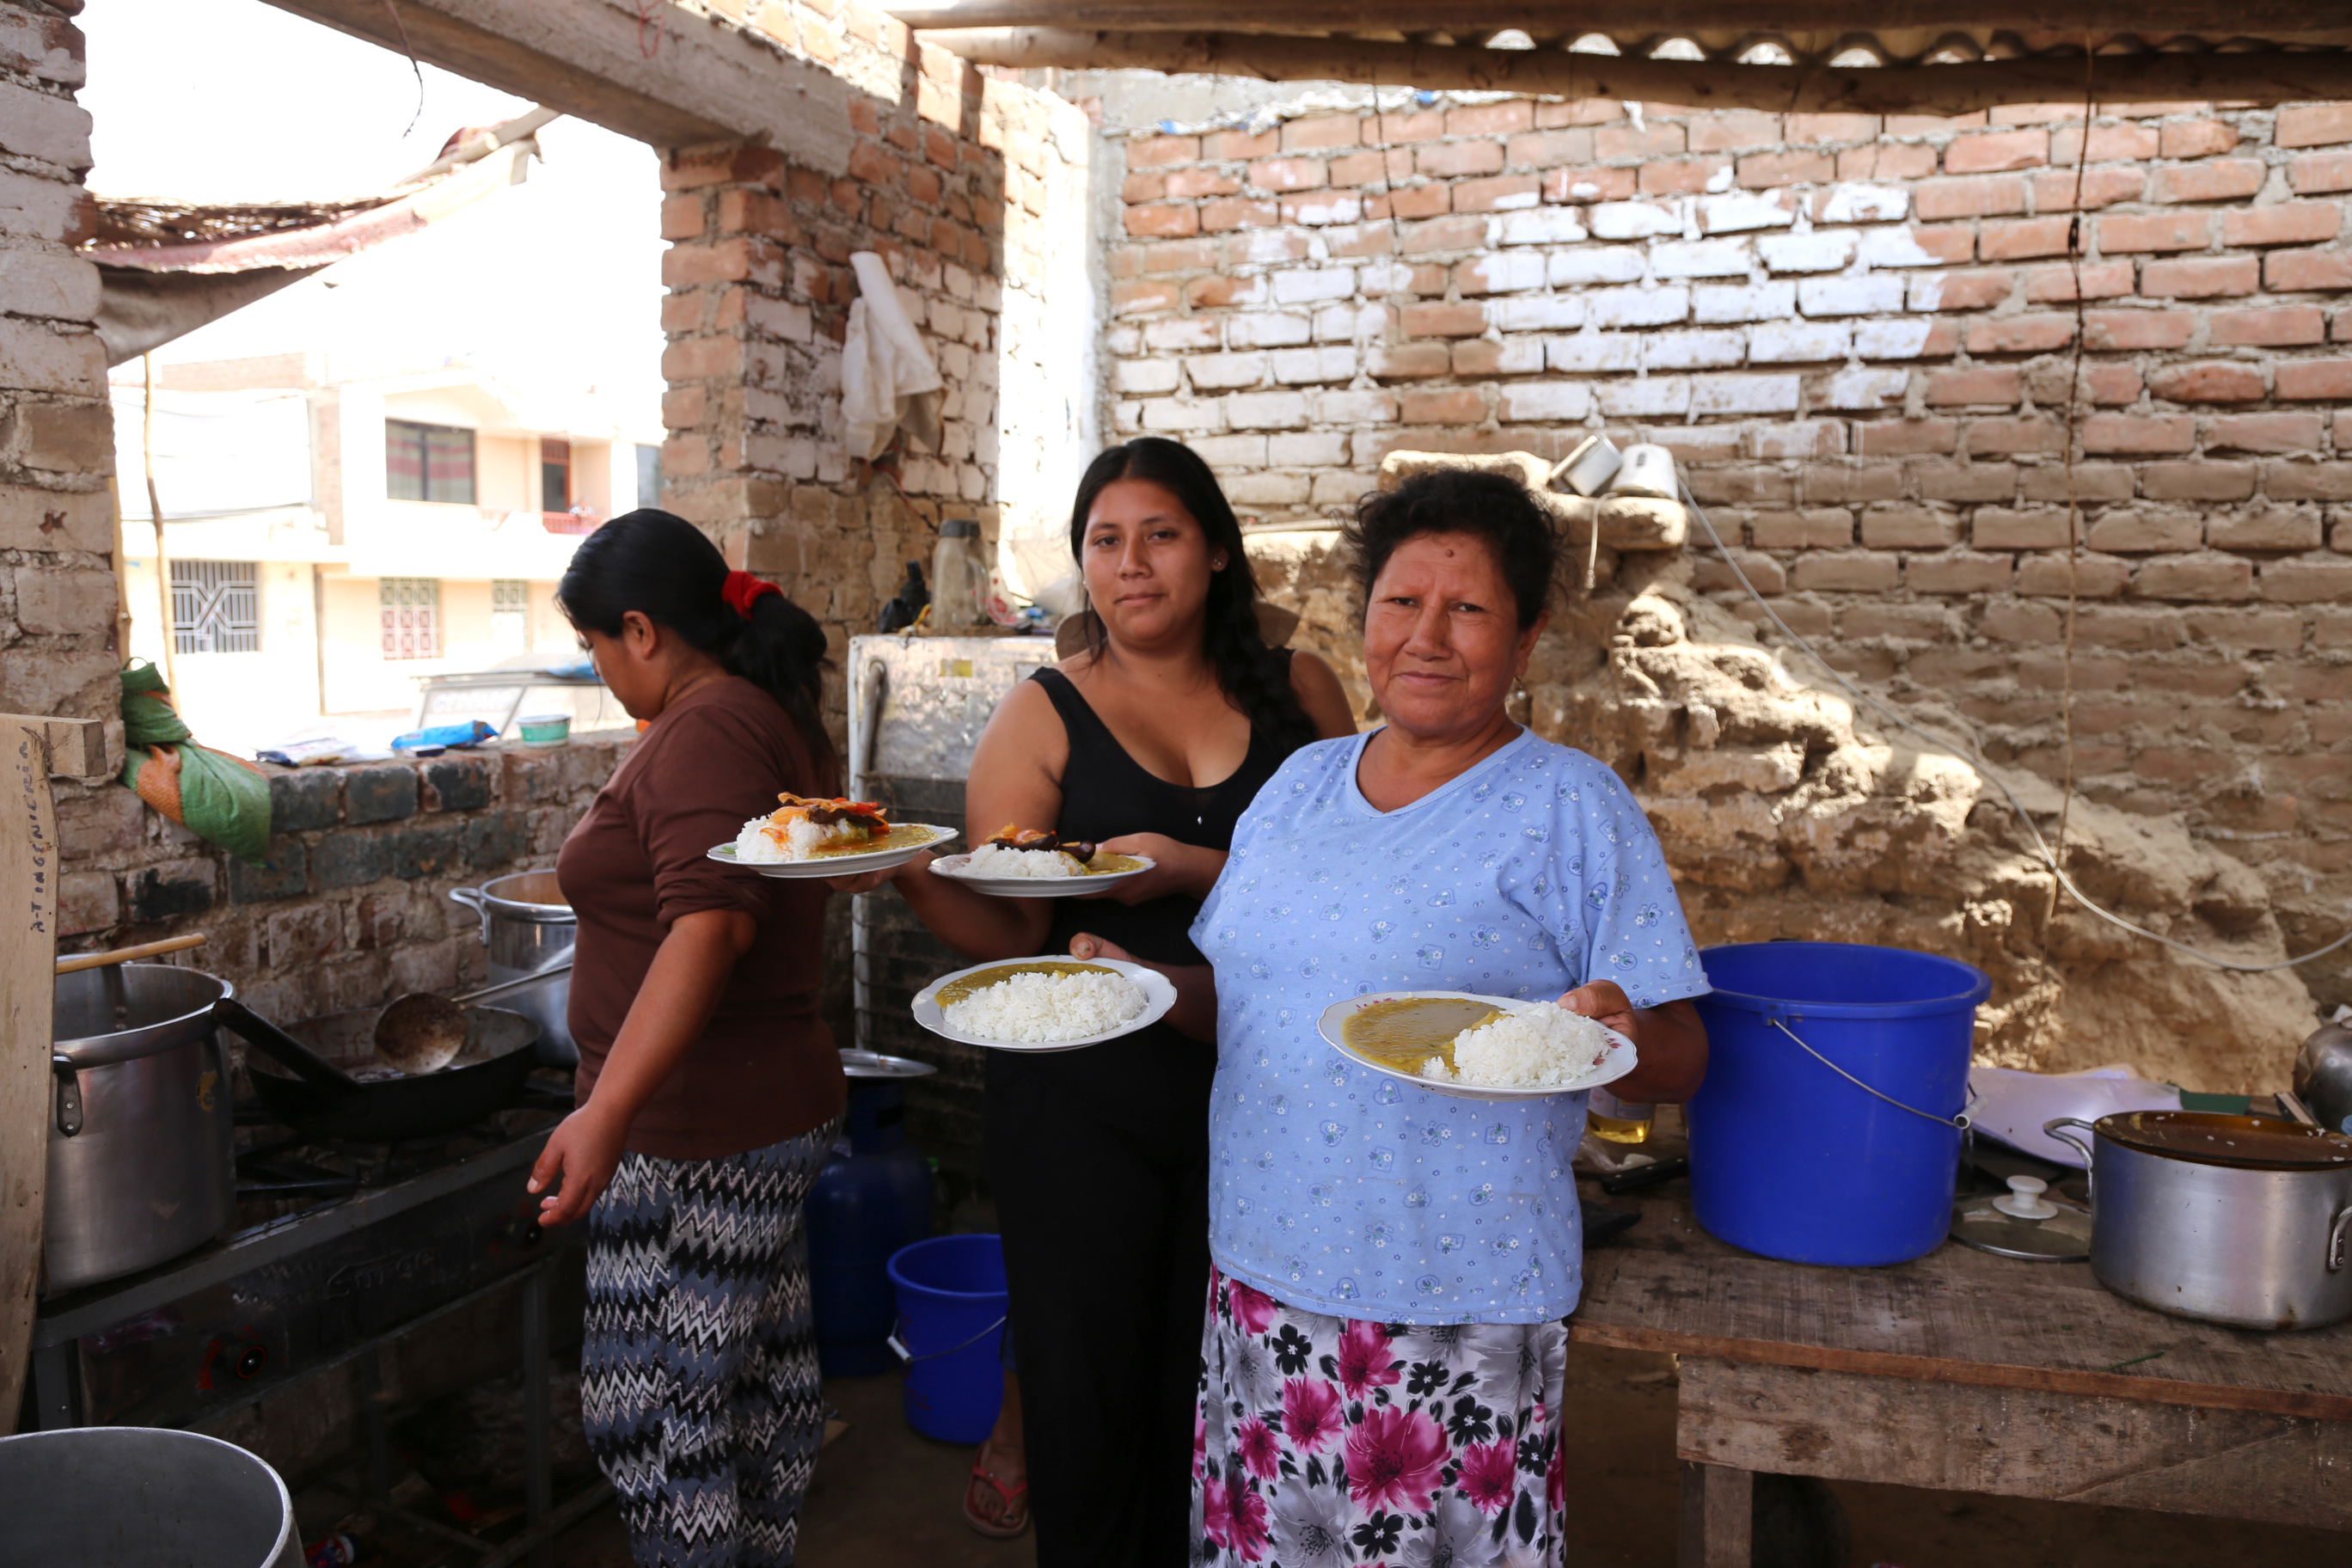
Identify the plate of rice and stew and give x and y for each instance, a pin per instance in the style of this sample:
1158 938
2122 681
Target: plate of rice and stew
804 837
1044 1004
1037 863
1478 1047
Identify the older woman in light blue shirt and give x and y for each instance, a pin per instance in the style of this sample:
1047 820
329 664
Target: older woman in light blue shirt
1384 1351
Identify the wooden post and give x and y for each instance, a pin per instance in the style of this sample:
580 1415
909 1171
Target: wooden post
155 511
33 749
1717 1517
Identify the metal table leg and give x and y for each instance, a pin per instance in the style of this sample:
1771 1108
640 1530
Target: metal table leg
539 1482
378 1479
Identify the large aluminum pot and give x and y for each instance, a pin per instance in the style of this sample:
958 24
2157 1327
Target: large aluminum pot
527 925
141 1497
141 1168
2232 1219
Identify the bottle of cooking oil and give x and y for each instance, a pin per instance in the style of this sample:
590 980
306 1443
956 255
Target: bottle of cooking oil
1619 1120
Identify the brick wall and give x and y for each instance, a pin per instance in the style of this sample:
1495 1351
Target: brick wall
352 907
57 439
967 186
1856 333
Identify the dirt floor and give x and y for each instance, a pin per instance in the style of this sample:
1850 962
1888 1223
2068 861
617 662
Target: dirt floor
886 1497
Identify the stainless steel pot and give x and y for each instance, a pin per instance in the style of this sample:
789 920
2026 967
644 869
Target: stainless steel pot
2232 1219
141 1168
527 925
2322 1076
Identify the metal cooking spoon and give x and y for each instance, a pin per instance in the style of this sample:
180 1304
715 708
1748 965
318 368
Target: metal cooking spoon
420 1032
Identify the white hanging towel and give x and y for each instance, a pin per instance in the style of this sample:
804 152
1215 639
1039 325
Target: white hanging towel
888 379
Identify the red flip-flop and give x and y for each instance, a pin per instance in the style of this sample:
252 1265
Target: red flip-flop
1016 1511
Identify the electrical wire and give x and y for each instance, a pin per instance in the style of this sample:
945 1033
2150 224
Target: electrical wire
2025 818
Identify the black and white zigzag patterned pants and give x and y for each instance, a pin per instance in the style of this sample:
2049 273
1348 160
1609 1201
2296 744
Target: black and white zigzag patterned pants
698 1379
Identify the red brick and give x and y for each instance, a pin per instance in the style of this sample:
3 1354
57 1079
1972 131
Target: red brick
2316 380
2203 479
1997 385
1179 256
1934 125
2305 583
2221 381
1171 222
1443 405
1883 161
2020 335
1969 290
1959 573
1614 142
2155 231
1997 437
1146 185
1900 437
2202 577
1465 233
2230 180
2034 236
1139 295
1679 177
1813 129
2111 383
1489 195
681 218
1995 151
2195 138
2054 192
2139 433
1761 171
1735 130
1235 211
1191 184
2314 125
2125 330
1221 291
2101 280
1413 200
1410 361
1934 200
1590 184
2109 143
1239 146
2200 276
1286 173
2308 481
1491 119
2264 432
2270 327
872 165
1548 149
1438 320
1363 239
1321 131
1448 159
2315 172
1370 168
2288 223
940 148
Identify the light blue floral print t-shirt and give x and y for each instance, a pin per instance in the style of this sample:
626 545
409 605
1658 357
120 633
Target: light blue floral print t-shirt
1344 1191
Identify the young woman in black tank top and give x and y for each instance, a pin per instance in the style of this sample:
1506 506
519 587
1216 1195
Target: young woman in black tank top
1150 741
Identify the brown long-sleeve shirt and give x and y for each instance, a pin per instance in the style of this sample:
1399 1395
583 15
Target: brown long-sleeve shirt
764 1067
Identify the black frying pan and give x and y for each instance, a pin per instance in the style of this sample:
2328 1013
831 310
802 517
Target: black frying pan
306 1095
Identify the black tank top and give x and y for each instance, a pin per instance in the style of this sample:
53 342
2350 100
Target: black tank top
1155 1079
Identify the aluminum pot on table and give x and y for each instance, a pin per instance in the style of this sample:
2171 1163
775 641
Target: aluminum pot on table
528 927
2241 1220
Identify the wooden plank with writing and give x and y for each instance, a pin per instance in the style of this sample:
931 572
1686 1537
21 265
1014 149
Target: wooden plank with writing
2285 1470
1955 1316
28 952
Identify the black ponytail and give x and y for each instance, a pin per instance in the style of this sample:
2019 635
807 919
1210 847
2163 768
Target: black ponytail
668 570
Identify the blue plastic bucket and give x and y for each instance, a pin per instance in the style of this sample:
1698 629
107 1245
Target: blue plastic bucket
952 1305
1792 1159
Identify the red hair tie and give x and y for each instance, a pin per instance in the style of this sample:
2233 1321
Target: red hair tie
743 590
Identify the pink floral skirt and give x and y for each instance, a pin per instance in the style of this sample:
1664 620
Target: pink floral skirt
1327 1442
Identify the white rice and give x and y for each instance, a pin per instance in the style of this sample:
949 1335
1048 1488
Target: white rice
1534 1045
1031 1008
765 842
996 860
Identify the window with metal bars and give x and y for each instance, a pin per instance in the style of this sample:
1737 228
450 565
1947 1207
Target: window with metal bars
510 614
216 607
429 462
411 611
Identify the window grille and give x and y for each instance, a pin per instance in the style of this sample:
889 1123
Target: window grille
216 607
411 610
429 462
510 614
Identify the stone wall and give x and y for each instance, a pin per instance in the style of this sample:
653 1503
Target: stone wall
57 438
1857 334
352 907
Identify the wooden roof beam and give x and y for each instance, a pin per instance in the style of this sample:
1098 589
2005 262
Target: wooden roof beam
2267 77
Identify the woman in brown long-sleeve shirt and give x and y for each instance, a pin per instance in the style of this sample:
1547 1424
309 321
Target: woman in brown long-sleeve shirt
708 1088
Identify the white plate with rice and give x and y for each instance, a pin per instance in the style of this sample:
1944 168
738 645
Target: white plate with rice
911 840
1041 1004
1537 1048
1003 873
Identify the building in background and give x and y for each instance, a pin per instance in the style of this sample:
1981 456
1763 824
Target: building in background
329 540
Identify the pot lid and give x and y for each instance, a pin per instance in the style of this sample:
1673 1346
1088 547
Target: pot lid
2213 1137
2023 1223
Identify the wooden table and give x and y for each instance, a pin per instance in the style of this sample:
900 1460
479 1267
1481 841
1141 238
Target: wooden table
1966 1371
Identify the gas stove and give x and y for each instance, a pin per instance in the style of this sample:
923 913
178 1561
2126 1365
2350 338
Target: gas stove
336 1247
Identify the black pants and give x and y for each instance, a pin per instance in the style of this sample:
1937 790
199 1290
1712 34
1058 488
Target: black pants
1106 1258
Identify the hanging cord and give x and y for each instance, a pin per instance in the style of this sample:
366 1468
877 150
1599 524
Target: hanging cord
409 49
2025 819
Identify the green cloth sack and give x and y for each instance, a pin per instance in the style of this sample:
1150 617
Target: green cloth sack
215 796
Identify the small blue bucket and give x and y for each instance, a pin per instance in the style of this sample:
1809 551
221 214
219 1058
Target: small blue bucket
952 1309
1829 1127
